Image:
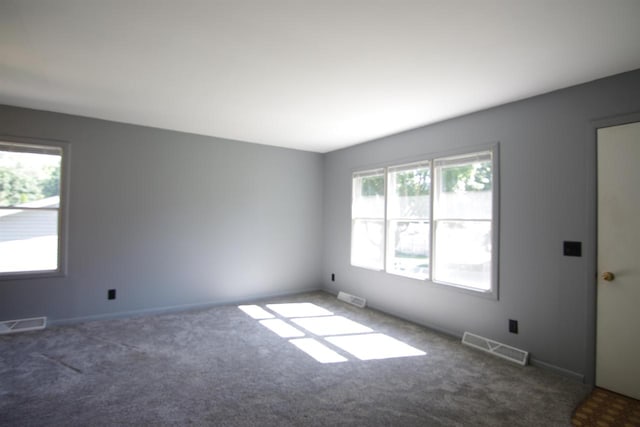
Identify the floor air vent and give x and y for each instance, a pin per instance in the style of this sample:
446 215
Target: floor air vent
501 350
21 325
352 299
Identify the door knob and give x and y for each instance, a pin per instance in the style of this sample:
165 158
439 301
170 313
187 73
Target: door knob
608 276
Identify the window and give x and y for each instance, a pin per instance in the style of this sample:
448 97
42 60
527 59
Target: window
408 212
30 208
430 220
367 226
463 206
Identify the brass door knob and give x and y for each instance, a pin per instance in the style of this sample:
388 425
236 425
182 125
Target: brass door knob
608 276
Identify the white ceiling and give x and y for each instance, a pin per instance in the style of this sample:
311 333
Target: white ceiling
312 75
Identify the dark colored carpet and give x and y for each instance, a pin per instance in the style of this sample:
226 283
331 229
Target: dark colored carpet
221 367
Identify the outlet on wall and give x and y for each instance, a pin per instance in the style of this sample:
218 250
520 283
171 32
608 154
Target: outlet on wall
572 248
111 294
513 326
333 277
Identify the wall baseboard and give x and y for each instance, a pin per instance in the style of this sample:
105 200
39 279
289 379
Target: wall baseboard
252 298
454 334
558 370
175 308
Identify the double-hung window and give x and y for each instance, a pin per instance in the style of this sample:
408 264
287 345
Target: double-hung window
31 226
463 212
367 225
408 213
430 220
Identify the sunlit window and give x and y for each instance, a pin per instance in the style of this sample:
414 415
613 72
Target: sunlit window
439 223
367 220
30 208
463 212
408 216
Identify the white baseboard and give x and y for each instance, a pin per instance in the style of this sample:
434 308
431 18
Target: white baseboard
561 371
174 308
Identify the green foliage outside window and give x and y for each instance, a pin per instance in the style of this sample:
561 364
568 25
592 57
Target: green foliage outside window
469 177
413 183
409 183
22 185
373 186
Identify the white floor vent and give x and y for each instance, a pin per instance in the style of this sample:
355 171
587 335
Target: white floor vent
21 325
352 299
501 350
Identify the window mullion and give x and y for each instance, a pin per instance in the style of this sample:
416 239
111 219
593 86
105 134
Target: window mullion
432 220
386 221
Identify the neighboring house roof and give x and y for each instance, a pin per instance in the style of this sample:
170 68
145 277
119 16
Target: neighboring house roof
49 202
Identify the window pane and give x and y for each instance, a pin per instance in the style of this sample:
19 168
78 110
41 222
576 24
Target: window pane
29 207
28 178
28 240
367 243
409 248
408 212
409 192
368 195
463 253
464 189
367 213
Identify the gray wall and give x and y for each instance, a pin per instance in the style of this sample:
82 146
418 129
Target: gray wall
171 219
547 168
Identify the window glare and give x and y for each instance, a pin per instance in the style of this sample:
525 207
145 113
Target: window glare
408 213
463 253
368 244
455 246
367 215
462 221
30 178
409 248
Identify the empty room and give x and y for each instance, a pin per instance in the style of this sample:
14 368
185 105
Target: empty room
291 213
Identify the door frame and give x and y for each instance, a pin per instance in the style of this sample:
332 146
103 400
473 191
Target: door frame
591 250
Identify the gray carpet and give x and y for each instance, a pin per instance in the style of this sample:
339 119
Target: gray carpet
221 367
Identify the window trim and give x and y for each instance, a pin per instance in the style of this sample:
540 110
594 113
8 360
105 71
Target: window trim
39 146
493 148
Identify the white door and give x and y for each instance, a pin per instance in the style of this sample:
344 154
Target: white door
618 321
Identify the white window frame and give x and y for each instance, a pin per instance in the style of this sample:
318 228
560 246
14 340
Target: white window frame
32 145
493 150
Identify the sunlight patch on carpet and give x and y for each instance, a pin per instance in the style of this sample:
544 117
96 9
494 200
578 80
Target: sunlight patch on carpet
256 312
374 346
331 325
326 337
317 350
299 309
281 328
